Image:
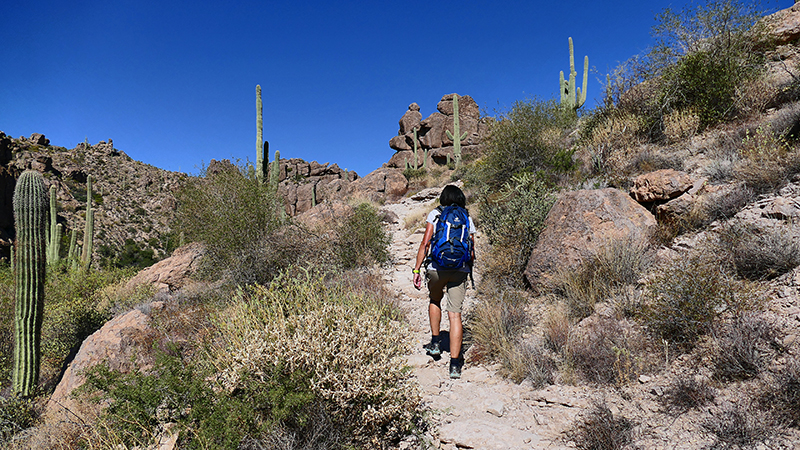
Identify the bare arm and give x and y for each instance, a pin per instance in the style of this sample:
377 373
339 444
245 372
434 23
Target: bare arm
423 250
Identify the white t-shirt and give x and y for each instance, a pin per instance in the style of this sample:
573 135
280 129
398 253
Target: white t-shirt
433 217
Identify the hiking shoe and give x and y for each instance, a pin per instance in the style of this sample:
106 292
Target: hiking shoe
455 368
433 348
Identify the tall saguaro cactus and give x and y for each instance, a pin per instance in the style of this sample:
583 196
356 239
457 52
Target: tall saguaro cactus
416 158
54 235
261 152
30 217
572 97
88 234
456 135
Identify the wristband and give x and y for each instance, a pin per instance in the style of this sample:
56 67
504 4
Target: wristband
415 271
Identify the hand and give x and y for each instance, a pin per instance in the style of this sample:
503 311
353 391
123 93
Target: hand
417 281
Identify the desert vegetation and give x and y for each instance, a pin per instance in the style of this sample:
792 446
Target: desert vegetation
280 348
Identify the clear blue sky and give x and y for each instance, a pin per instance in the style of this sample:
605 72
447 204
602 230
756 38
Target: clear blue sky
173 83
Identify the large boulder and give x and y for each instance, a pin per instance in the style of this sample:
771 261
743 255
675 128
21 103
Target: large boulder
125 343
171 274
579 224
784 25
383 183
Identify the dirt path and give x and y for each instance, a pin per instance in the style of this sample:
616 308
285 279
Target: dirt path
481 410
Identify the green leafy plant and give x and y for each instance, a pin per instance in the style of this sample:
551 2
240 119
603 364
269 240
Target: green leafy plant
362 239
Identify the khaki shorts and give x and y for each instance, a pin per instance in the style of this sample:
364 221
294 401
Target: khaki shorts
456 284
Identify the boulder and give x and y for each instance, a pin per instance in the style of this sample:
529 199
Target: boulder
324 213
580 223
125 343
410 119
400 143
39 139
171 274
467 108
383 183
663 184
784 25
432 130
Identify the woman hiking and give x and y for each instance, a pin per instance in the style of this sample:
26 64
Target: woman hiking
451 231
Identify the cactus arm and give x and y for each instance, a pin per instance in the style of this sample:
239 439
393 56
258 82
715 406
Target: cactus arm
562 87
30 212
259 136
12 258
582 92
73 239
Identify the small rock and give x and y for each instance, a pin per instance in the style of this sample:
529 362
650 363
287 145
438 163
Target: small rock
644 379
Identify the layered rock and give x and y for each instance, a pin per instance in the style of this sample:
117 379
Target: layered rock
432 132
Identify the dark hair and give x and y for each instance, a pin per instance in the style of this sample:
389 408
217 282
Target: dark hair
452 195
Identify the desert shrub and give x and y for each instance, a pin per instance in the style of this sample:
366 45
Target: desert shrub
496 328
680 125
412 174
766 161
598 429
780 393
685 393
703 56
603 350
610 137
362 239
686 298
348 346
232 214
745 346
72 312
512 220
175 391
556 330
756 253
531 137
618 263
16 414
738 426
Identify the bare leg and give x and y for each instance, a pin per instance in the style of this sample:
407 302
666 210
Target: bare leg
456 334
435 315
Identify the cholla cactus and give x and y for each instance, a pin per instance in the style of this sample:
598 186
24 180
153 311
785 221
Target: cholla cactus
30 213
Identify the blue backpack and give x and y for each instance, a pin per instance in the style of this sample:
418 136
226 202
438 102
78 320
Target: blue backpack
452 246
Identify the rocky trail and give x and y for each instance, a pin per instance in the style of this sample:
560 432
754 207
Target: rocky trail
482 410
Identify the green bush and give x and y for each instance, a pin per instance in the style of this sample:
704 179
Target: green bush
232 214
16 414
362 239
531 137
512 220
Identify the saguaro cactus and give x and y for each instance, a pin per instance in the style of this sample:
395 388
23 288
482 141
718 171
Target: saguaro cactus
54 235
416 158
30 213
275 171
261 152
456 135
572 97
88 234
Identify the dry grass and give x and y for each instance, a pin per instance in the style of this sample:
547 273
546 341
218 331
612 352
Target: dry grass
598 429
739 426
416 219
616 265
758 253
685 393
681 125
606 351
780 393
744 347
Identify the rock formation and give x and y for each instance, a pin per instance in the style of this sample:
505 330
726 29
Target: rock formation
432 132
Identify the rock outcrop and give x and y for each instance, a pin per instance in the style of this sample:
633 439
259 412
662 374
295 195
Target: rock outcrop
171 274
432 132
579 224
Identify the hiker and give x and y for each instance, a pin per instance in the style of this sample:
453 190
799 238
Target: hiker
447 269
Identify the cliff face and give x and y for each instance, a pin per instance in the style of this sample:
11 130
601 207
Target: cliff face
133 201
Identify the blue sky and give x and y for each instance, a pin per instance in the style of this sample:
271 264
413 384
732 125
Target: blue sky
173 83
